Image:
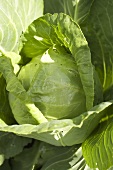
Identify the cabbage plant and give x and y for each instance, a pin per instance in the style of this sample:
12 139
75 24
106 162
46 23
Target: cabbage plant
56 85
58 76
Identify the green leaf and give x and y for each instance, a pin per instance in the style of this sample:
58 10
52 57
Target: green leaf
70 159
11 145
60 30
15 16
28 113
98 147
66 132
50 151
82 10
5 110
98 30
46 157
65 6
28 158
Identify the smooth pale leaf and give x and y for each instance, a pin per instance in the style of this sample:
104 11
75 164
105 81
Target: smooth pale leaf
59 30
98 147
66 132
11 145
15 16
98 30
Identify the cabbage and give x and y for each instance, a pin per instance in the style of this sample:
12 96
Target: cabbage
53 82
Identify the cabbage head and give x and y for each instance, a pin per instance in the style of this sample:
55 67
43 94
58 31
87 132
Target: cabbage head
53 82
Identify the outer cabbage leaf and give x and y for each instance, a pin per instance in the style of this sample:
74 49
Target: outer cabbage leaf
66 132
15 16
5 110
37 155
98 30
43 156
66 158
65 6
28 158
98 147
60 31
11 145
82 9
76 9
28 113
